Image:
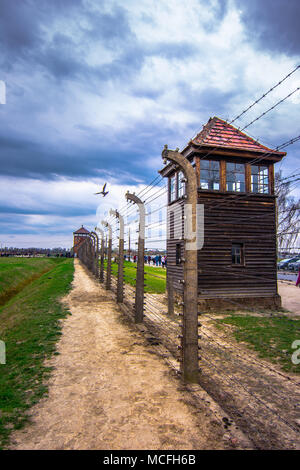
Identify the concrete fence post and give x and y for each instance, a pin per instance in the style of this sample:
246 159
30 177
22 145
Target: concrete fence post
90 253
96 254
139 289
120 284
189 345
101 276
109 250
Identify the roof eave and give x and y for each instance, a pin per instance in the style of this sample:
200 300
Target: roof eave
269 155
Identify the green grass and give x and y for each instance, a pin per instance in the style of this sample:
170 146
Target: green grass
16 273
271 337
29 326
155 278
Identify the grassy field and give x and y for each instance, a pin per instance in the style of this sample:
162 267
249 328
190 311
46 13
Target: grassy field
16 273
270 337
29 326
155 278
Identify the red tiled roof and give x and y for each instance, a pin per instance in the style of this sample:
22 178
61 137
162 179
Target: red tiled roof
219 133
81 230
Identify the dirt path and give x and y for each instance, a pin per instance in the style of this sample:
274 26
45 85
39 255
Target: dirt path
109 391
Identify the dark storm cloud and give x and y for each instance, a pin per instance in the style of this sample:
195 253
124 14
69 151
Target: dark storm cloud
23 39
21 24
57 210
111 29
25 158
64 58
209 102
59 58
18 224
273 24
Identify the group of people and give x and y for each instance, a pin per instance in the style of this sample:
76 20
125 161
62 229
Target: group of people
157 260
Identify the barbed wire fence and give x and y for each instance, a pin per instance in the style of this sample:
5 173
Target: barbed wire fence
225 368
263 400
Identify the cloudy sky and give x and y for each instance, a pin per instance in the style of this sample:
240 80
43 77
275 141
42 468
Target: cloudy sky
95 88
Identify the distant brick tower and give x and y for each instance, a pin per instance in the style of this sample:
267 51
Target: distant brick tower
79 237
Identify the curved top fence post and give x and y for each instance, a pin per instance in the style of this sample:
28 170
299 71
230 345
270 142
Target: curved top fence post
133 198
189 349
120 284
139 290
108 226
121 221
98 229
96 260
101 275
108 270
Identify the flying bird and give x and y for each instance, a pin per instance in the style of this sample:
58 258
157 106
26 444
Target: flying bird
103 191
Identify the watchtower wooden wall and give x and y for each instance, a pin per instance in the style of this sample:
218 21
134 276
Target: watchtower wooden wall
239 224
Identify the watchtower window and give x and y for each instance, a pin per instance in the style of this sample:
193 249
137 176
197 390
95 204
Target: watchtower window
209 174
259 179
235 177
237 253
172 188
181 184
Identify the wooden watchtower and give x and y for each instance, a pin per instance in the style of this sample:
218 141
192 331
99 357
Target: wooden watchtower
235 174
79 237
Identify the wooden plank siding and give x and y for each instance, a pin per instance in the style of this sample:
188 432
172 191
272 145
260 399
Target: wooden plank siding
231 217
246 219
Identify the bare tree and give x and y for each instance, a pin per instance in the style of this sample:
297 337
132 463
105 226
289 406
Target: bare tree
288 214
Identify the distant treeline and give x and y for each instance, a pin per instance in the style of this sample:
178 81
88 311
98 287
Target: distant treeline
12 251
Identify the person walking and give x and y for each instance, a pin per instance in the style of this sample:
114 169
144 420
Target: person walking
298 279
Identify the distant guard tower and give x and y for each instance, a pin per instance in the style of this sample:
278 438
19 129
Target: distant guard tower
235 173
79 237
